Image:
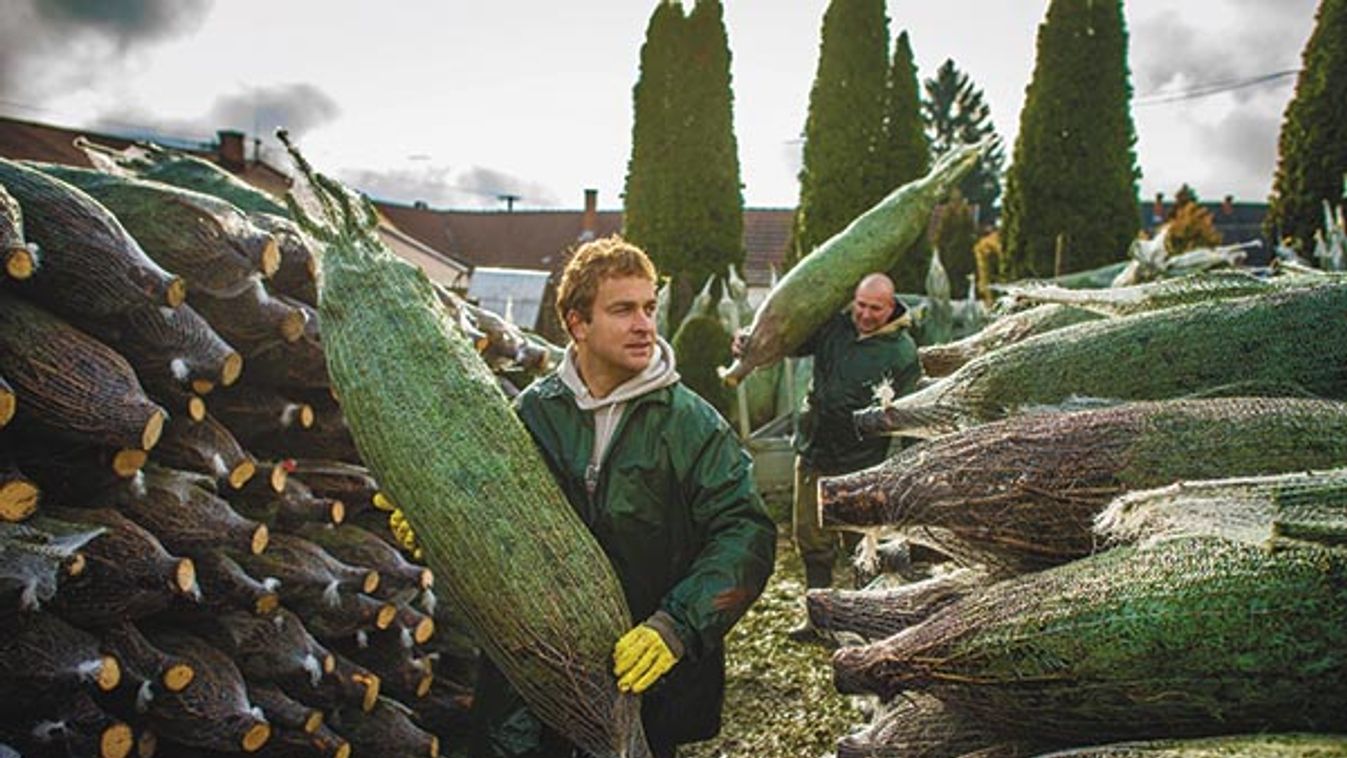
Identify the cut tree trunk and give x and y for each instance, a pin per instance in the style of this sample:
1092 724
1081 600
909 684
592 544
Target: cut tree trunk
18 494
251 318
143 662
128 575
173 351
66 472
41 653
254 413
71 386
206 447
214 713
18 256
7 403
91 267
306 570
297 276
328 437
353 616
386 729
359 547
34 562
284 363
282 710
278 648
225 586
205 240
348 684
185 516
350 483
406 675
292 507
72 723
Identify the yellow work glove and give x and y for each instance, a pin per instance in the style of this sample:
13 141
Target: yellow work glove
640 658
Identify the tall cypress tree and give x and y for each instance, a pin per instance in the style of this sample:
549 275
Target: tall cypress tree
1313 144
649 196
845 125
683 202
709 189
904 155
955 113
1074 170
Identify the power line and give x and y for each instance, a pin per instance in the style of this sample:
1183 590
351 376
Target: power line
1211 88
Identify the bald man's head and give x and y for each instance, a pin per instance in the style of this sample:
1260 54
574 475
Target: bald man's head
873 303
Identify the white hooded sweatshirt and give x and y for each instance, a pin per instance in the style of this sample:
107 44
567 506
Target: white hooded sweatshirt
608 410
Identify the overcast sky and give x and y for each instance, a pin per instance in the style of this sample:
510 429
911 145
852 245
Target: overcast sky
455 103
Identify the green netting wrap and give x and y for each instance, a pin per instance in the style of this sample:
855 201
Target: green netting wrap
1276 512
1024 491
1168 293
513 558
920 726
1231 746
943 360
1189 637
1279 343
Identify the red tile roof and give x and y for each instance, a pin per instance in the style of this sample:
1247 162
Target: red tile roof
516 239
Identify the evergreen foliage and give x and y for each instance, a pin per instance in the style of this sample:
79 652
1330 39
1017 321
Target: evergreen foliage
905 154
683 202
1074 174
1312 148
955 113
1190 225
845 125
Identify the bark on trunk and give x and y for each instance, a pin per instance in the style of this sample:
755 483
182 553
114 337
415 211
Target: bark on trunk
297 276
71 386
258 413
185 516
128 574
91 267
206 447
251 318
214 713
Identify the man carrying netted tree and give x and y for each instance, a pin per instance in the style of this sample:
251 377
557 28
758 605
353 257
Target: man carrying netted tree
856 351
662 482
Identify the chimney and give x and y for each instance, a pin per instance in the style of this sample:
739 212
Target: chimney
589 222
231 149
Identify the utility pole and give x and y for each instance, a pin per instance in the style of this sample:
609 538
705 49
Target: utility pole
509 201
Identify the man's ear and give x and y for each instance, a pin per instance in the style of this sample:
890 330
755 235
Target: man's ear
575 323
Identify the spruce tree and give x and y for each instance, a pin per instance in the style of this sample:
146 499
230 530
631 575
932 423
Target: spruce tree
955 114
1074 174
904 155
845 125
1312 147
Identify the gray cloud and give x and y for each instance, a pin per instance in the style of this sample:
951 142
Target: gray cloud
52 45
1165 50
256 111
1246 142
441 187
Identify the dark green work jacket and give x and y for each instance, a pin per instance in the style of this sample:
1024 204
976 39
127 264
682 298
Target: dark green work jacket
847 368
677 513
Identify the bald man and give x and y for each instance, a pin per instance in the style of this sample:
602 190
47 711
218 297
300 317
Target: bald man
856 350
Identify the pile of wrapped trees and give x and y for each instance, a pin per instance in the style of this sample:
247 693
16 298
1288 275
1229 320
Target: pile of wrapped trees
1142 496
193 558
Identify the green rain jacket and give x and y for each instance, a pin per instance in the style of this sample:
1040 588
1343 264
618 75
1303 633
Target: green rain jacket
847 368
676 511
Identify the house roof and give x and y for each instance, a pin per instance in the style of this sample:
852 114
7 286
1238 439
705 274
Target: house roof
542 239
26 140
512 239
444 242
